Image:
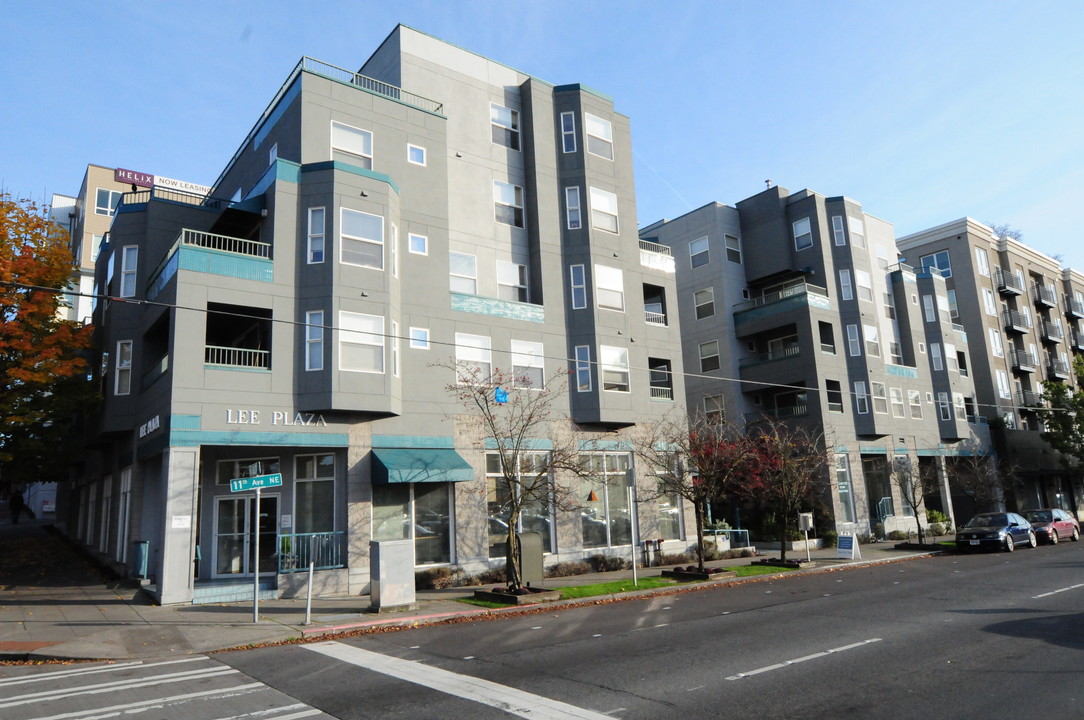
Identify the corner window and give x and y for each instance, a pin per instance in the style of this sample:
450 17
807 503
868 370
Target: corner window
938 260
511 281
463 273
419 338
600 139
122 383
129 260
418 244
733 248
528 369
698 252
572 208
839 237
603 210
361 342
415 154
351 145
505 125
314 340
609 288
583 368
704 302
473 358
578 286
106 201
508 203
361 239
316 235
568 132
709 356
614 363
803 234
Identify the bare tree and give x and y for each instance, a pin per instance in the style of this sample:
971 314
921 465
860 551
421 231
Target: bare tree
982 477
914 483
699 460
510 415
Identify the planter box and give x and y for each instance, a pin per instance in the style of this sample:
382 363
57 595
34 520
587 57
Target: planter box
814 544
536 595
694 576
776 562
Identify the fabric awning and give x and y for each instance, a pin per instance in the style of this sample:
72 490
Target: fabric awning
406 465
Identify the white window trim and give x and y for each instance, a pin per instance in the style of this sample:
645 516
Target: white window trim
317 235
410 244
347 151
800 229
854 341
123 367
528 354
419 338
621 368
694 254
314 335
522 282
110 210
394 349
608 138
583 368
518 215
697 305
567 133
512 127
609 280
599 197
573 206
424 153
473 278
361 337
577 284
838 235
471 349
355 238
846 287
727 248
128 270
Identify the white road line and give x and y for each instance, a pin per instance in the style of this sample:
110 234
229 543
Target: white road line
814 656
1055 592
304 711
60 693
39 677
114 710
515 702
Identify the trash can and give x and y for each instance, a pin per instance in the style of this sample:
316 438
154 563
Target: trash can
140 552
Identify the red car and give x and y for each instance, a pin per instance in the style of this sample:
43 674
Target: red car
1052 524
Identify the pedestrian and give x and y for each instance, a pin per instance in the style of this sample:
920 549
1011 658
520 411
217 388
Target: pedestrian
17 506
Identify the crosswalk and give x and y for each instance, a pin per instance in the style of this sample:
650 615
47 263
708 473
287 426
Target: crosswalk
193 687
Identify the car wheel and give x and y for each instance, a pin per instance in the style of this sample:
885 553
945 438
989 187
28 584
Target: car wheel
1076 534
1009 544
1053 536
1033 541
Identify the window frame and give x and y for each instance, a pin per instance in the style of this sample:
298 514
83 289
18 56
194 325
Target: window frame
603 140
306 483
578 286
129 269
839 237
597 197
465 346
346 149
452 275
607 356
880 399
412 149
714 360
568 134
573 208
863 283
509 131
363 338
732 251
122 367
583 368
854 341
411 236
314 338
345 239
871 334
861 398
609 281
698 313
316 247
695 254
521 288
530 354
113 198
802 240
937 256
419 338
846 286
501 207
982 262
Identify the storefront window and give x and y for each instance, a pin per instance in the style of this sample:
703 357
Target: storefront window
418 511
536 515
314 494
605 514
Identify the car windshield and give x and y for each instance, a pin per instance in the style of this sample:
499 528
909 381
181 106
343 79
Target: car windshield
1038 516
988 520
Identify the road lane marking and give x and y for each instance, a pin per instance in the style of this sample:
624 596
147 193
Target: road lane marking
61 693
93 670
795 661
302 709
1055 592
154 702
515 702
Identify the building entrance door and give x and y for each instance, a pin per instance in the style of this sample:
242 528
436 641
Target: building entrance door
234 547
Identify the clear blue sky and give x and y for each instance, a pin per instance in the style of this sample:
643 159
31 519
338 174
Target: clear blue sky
923 111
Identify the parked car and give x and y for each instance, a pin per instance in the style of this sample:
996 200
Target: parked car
1053 524
995 531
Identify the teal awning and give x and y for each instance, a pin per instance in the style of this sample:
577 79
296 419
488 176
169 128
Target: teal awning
406 465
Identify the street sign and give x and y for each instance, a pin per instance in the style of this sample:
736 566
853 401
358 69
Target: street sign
255 482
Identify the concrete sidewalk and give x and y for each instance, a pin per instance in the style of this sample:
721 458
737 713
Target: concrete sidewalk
56 605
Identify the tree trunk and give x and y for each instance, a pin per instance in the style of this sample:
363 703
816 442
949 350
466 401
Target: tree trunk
699 507
784 534
512 575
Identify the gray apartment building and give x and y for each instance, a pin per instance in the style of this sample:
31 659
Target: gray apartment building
1022 311
433 206
795 306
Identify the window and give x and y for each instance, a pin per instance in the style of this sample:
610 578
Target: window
352 145
235 469
614 363
473 358
939 260
928 308
316 235
417 244
361 342
958 407
508 203
943 409
714 409
106 201
122 383
536 516
854 342
733 248
314 340
603 210
394 349
394 250
600 139
988 302
982 262
896 397
843 483
995 343
935 356
873 341
827 337
578 284
609 288
463 272
273 154
670 522
129 260
605 515
419 338
314 494
803 234
704 302
895 352
361 239
511 281
1003 390
890 306
914 399
415 154
505 125
583 368
961 362
96 247
861 398
834 395
528 370
865 285
970 411
709 356
880 401
568 132
846 289
698 252
572 208
415 511
857 230
838 236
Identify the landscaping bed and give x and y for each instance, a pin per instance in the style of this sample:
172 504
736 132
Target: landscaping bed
523 596
792 564
691 574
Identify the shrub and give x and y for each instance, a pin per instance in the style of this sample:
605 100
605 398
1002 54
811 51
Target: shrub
711 551
866 538
747 552
673 559
879 530
829 538
936 516
566 569
606 563
492 575
936 529
897 535
441 577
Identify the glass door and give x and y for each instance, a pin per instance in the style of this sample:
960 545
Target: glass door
234 546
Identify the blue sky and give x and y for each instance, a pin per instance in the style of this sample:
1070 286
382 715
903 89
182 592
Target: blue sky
922 111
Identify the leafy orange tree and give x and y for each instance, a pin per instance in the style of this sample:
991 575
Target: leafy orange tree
43 359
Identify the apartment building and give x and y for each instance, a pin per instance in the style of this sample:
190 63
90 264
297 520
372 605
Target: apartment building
435 206
795 306
1022 312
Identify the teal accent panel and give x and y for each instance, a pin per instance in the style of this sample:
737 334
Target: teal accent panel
276 114
901 371
347 167
787 305
232 368
283 170
413 441
410 465
495 307
841 449
526 444
185 422
611 445
203 260
195 438
873 450
901 451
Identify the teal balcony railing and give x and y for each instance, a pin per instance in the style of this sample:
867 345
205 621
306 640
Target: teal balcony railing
323 550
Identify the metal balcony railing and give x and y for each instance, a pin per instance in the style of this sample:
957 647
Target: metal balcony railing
1057 368
654 318
1016 321
225 243
1077 339
1074 307
659 392
1044 295
237 357
1008 283
1028 399
781 354
779 295
1052 332
1023 360
323 550
656 256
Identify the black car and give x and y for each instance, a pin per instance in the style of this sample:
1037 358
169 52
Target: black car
995 531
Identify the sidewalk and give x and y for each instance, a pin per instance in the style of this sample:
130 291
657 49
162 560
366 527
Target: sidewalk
55 605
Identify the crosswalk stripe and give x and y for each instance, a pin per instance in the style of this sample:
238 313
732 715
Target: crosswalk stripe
60 693
94 670
92 714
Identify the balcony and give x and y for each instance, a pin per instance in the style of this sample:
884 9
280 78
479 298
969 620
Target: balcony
1057 369
1077 340
237 357
655 318
216 254
772 356
1044 295
1051 332
1008 283
1023 361
656 256
662 393
1027 399
783 412
1073 307
1015 321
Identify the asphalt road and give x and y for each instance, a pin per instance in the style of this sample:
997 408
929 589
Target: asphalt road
974 636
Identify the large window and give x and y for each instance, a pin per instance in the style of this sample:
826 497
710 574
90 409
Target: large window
505 125
1003 389
614 363
989 303
512 281
314 493
129 264
528 368
914 399
606 516
880 400
603 210
537 513
704 302
838 235
803 234
709 356
361 342
583 368
508 203
568 132
234 469
873 340
361 239
352 145
858 232
996 346
316 235
896 397
578 286
463 273
314 340
865 285
572 208
473 358
698 252
982 262
415 511
609 288
600 140
939 260
861 398
122 383
106 201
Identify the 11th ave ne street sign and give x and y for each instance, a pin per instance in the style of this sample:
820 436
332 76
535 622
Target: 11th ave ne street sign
255 482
